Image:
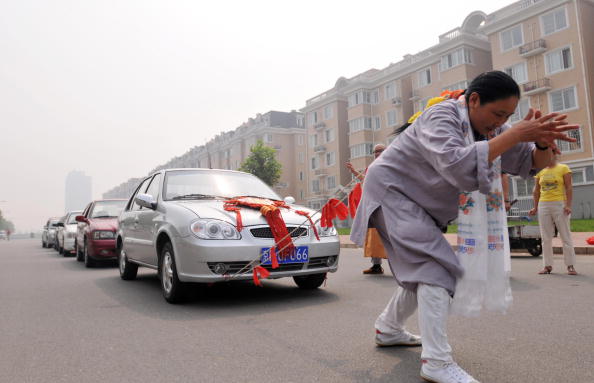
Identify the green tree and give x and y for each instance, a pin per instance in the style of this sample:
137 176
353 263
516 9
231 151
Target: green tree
262 164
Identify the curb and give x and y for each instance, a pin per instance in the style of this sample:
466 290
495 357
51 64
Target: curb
579 250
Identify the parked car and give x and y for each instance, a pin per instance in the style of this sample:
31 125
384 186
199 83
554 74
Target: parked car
175 223
3 235
48 236
96 230
67 233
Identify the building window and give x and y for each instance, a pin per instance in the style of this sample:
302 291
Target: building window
358 124
578 176
457 86
391 117
313 118
300 139
390 90
518 72
523 187
301 194
455 58
511 38
268 138
377 123
559 60
328 112
331 182
330 158
521 110
424 77
315 186
329 135
300 176
553 21
313 140
565 146
314 163
301 157
361 150
363 97
563 99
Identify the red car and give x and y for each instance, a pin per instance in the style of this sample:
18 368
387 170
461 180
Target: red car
97 227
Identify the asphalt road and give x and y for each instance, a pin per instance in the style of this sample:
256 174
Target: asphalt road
60 322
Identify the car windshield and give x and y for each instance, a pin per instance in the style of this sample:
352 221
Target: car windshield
209 184
54 222
72 218
107 209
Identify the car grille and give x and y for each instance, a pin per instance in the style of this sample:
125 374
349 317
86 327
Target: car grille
265 232
234 267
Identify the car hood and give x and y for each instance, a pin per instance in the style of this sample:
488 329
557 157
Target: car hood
249 216
104 224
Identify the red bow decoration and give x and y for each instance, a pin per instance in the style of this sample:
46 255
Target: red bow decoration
260 272
590 240
313 226
332 209
355 199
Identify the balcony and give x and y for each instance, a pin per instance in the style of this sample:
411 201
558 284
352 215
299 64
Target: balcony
319 149
533 48
414 96
536 87
321 172
319 125
396 101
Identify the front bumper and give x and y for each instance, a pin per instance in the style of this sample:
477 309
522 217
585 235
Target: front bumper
68 244
195 258
102 249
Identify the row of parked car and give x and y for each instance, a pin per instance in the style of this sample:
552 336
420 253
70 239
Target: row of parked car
176 223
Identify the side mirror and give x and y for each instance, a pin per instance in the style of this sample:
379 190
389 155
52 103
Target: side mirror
289 200
146 200
60 224
81 218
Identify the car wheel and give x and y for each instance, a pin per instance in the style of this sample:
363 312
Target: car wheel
534 249
79 254
43 244
88 260
128 270
174 291
310 282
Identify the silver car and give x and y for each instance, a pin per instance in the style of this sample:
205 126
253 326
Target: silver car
48 236
175 223
66 233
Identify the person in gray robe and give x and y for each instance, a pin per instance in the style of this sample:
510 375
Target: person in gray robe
411 193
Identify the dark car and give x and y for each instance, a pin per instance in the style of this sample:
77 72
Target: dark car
96 231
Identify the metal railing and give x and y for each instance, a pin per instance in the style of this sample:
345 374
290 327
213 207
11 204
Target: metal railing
533 45
542 83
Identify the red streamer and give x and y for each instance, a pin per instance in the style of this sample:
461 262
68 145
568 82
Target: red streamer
260 272
355 199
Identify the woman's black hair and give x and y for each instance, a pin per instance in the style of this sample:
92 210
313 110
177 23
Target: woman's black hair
493 86
490 86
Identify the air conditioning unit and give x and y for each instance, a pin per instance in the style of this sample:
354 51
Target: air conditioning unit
396 101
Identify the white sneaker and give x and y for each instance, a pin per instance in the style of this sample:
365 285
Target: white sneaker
445 373
402 338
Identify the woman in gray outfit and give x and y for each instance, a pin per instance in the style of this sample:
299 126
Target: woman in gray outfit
411 193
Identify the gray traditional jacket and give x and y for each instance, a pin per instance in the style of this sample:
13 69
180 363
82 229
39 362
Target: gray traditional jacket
416 182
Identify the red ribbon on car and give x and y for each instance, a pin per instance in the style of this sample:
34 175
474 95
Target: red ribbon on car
260 272
332 209
355 199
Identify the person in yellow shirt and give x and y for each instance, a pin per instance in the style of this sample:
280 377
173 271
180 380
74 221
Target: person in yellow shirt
552 195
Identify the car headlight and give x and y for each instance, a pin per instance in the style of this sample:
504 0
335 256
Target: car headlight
326 231
214 229
103 234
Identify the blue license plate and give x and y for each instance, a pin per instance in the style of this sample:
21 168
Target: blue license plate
300 255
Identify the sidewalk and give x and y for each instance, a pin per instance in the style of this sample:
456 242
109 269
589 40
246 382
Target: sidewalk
579 242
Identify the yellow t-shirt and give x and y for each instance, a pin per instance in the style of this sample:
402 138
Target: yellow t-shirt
552 187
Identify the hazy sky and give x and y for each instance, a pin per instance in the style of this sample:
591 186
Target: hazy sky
115 88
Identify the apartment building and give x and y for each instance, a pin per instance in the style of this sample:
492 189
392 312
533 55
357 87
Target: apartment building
545 45
346 122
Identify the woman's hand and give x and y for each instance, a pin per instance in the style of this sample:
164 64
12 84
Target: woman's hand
543 130
567 210
533 211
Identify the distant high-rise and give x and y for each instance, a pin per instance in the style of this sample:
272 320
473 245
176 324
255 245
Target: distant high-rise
78 191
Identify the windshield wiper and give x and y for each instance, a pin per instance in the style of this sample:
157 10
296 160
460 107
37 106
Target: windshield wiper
197 196
105 216
256 196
